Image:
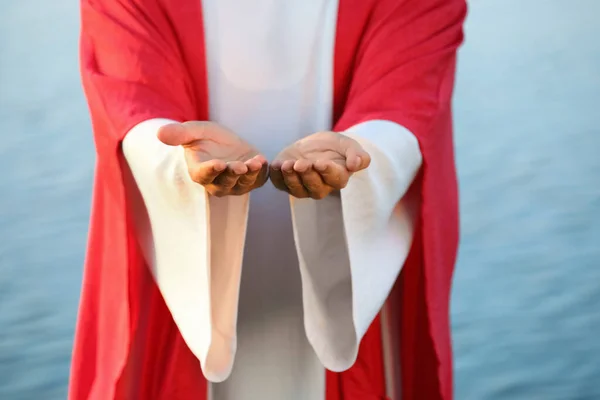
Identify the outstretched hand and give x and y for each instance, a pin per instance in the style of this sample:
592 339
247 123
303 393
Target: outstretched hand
217 158
318 165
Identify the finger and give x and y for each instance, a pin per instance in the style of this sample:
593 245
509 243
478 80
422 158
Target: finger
183 134
237 167
288 165
229 178
294 185
206 172
292 180
225 181
177 134
256 163
276 176
302 165
247 180
276 164
356 158
314 184
332 173
263 175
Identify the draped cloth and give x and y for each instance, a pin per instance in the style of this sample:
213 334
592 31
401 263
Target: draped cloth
393 61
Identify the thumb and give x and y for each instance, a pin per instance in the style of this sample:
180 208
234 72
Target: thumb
174 134
177 134
356 157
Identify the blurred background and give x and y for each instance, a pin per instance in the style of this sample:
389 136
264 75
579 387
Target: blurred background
526 302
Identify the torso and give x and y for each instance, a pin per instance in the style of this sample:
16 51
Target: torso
270 70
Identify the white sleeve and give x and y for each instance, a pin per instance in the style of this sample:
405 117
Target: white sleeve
352 247
193 244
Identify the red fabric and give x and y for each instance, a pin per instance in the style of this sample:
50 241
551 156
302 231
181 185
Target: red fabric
366 379
144 59
126 344
404 72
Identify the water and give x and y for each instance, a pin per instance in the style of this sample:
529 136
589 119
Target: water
526 305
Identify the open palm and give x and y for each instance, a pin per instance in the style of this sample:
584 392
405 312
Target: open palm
318 164
217 158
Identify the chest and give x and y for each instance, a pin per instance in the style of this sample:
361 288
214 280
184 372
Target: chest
268 44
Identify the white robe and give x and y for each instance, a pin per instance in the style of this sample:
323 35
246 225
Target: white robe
314 278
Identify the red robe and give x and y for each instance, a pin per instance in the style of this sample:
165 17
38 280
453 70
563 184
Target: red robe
142 59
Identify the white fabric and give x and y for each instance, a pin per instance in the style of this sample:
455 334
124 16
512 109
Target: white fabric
174 229
390 343
352 247
270 67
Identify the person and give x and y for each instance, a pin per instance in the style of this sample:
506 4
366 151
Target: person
275 201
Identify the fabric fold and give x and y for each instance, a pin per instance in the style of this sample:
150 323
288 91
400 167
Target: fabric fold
352 246
182 233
